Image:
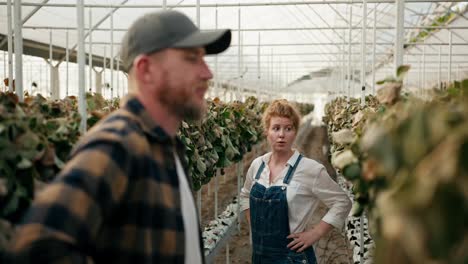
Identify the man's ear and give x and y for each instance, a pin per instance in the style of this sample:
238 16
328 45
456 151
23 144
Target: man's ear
142 68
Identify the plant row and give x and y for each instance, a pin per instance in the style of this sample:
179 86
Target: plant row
407 159
37 135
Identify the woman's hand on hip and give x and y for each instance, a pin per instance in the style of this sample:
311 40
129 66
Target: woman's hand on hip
303 240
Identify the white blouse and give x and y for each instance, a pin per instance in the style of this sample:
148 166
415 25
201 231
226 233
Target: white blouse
309 185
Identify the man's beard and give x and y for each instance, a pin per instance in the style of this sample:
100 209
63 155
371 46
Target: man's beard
181 105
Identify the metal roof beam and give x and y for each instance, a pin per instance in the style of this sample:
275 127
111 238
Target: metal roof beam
309 34
96 26
327 61
328 53
318 43
26 18
266 29
344 2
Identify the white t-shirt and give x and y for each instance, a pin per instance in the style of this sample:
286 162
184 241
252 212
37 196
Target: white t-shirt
309 185
189 214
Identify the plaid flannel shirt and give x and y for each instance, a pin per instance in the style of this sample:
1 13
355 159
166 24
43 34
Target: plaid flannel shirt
116 201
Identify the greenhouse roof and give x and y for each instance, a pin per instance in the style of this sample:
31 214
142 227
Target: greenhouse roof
303 45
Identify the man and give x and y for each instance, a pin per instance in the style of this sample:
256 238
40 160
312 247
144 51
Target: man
125 196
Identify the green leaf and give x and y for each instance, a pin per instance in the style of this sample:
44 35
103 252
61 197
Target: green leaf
11 206
357 209
58 162
402 71
386 80
352 171
24 164
201 166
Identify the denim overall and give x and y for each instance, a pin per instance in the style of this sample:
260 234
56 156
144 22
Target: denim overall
270 224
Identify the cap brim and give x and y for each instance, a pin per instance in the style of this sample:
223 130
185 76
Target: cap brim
214 42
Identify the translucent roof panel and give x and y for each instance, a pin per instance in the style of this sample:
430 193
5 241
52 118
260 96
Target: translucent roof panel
284 44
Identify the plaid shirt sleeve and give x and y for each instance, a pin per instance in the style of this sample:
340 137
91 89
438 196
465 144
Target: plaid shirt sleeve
66 215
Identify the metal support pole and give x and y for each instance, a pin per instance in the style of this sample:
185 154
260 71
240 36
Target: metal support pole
30 79
51 66
10 47
419 76
199 191
208 189
216 80
81 65
198 13
257 90
40 79
423 83
90 54
450 58
271 73
399 34
119 93
228 261
5 65
199 205
18 51
216 194
343 67
240 166
349 48
104 63
112 54
374 46
439 79
361 238
279 84
164 6
67 58
238 54
363 53
241 79
225 100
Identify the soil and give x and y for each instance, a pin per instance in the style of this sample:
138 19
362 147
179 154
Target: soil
239 245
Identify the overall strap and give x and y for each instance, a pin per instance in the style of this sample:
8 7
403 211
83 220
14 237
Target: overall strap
291 170
259 172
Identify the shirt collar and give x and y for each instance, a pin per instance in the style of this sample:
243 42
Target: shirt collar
131 103
291 161
293 158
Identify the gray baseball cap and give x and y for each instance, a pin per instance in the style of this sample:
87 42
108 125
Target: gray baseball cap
169 29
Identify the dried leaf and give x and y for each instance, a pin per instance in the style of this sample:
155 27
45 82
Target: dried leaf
343 158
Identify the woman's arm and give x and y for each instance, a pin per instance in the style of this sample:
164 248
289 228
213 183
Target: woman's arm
339 204
331 194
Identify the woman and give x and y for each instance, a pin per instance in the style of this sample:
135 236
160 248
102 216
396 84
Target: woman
281 192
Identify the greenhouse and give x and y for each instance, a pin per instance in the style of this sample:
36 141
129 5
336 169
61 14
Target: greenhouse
381 87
